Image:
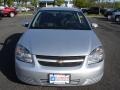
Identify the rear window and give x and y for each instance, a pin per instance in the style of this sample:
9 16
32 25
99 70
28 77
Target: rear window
60 20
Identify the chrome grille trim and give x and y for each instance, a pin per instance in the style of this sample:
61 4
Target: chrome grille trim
64 61
60 61
60 57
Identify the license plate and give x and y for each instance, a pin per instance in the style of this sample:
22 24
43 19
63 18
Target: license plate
59 78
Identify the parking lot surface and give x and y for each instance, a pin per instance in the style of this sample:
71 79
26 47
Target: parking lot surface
10 31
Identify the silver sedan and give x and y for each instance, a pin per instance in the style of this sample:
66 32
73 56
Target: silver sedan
59 49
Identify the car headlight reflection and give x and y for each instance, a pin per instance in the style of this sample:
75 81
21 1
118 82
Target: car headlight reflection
23 54
96 56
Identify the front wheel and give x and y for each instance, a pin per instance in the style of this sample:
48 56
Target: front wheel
12 14
109 17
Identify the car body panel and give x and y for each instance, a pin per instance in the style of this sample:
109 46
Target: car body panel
61 42
38 75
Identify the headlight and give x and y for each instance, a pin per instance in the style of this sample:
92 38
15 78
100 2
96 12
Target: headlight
96 56
23 54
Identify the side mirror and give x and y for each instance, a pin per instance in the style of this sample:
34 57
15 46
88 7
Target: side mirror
94 25
26 24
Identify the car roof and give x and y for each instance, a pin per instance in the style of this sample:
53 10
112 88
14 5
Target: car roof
60 8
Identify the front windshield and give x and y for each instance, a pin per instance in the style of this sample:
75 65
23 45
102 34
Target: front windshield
60 20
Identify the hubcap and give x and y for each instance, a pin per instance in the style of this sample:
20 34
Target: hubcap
109 17
12 14
117 19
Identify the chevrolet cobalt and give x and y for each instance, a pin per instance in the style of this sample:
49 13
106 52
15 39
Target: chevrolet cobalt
59 48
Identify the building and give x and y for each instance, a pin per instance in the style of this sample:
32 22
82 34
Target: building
50 3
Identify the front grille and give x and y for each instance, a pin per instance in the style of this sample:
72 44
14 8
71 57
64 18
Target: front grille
60 61
55 64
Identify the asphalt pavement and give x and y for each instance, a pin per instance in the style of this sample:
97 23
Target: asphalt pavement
11 30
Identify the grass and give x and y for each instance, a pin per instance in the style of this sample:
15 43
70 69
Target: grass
25 13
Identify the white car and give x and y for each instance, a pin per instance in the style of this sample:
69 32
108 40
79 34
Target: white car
2 7
23 9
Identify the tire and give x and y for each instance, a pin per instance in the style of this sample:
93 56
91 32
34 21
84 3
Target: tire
0 17
109 17
12 14
117 19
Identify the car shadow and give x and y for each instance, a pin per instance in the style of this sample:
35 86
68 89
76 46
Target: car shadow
115 23
7 54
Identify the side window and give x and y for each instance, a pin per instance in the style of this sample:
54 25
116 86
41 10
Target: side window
36 21
81 18
83 22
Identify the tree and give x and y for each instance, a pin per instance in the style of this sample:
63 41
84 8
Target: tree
59 2
9 2
0 2
34 3
83 3
117 5
77 3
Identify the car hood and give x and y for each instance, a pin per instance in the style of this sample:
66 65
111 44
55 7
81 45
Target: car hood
60 42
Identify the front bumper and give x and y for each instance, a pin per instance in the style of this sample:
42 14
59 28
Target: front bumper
36 74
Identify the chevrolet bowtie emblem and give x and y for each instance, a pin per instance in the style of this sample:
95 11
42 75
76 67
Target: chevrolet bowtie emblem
60 61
